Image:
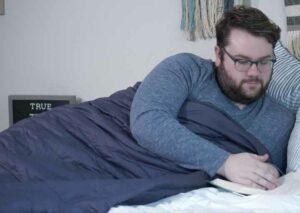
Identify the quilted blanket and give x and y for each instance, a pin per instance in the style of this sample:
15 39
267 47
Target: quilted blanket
83 158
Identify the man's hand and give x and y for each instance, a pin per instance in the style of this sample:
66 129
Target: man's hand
250 170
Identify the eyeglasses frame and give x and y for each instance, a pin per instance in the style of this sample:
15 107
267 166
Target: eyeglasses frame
235 60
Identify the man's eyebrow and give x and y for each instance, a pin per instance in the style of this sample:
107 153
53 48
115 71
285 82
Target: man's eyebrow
241 56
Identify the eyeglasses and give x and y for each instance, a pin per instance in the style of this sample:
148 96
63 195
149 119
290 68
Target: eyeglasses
243 65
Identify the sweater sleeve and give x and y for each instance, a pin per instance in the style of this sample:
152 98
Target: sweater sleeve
153 116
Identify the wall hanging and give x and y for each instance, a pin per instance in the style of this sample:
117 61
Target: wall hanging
200 16
1 7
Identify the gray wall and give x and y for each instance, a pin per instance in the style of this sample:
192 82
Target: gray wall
91 48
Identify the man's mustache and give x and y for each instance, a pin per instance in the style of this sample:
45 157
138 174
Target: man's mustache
252 80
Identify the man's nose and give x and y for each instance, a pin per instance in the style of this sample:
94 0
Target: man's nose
253 70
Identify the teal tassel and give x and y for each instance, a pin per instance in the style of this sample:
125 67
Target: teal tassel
183 15
192 6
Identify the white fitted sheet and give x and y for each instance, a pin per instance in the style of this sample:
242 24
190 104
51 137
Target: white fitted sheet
214 200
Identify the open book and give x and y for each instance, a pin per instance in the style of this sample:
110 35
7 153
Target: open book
288 184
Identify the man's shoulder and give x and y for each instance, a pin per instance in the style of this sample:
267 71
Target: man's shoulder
275 105
190 58
279 110
189 62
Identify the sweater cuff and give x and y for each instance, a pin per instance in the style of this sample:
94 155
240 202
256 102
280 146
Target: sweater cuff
212 165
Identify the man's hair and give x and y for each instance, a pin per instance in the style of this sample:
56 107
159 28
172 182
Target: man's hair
251 20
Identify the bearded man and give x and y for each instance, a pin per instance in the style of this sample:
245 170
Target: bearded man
235 83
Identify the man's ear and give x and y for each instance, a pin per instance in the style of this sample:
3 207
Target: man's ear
218 55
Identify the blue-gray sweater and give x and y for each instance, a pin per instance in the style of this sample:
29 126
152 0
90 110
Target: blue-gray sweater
188 77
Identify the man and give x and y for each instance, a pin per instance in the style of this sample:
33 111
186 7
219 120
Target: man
235 83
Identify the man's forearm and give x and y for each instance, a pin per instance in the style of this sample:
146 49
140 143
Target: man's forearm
167 137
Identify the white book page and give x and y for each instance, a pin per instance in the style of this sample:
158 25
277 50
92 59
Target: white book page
235 187
289 184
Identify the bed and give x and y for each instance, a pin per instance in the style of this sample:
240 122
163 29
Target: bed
210 199
285 88
82 158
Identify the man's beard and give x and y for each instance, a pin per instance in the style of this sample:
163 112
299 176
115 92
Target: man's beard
235 91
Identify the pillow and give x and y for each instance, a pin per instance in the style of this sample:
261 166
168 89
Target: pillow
293 153
285 88
285 84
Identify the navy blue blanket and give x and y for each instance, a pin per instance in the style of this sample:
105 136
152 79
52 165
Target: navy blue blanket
83 158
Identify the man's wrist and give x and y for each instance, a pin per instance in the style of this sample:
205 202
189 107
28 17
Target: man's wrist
221 170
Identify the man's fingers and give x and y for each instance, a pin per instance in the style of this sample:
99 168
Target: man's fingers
251 183
267 177
262 158
251 170
267 170
257 181
265 183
